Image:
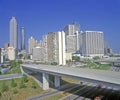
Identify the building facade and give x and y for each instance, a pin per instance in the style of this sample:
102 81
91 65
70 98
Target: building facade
31 44
13 33
71 29
92 43
22 38
56 51
72 39
38 54
6 45
11 53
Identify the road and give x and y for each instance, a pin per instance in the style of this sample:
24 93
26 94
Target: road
90 92
110 78
10 76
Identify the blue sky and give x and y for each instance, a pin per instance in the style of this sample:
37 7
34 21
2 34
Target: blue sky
42 16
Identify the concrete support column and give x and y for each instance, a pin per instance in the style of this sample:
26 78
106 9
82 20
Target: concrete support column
45 79
57 81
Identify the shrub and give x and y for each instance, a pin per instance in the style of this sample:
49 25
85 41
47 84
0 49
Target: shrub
22 85
34 85
25 78
13 84
4 87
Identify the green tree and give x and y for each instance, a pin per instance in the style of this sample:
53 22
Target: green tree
19 62
76 58
13 63
96 57
25 78
20 56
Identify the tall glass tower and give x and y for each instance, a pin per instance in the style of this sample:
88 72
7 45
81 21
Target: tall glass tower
13 33
22 38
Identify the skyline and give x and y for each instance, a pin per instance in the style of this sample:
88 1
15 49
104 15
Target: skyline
42 16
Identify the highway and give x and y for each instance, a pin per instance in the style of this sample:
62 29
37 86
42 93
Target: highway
108 78
10 76
83 92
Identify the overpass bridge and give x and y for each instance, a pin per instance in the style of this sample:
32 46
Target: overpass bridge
107 78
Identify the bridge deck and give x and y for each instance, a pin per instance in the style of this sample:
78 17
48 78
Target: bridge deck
100 75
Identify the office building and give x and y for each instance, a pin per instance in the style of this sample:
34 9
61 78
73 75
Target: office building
6 45
92 43
13 33
31 44
44 40
11 53
22 38
38 54
0 56
72 40
56 47
71 29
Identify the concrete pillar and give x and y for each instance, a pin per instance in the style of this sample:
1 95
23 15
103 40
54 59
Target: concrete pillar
57 81
45 79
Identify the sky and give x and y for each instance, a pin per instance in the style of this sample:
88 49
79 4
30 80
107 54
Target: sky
39 17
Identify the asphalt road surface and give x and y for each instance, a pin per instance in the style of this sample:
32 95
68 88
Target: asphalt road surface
10 76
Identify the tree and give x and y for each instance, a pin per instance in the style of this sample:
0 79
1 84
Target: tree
75 58
96 57
19 61
25 78
20 56
13 63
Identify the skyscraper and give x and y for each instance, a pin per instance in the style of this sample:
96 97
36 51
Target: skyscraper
71 29
56 47
22 38
72 38
92 43
13 33
31 44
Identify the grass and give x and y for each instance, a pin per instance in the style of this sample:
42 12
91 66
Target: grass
62 94
93 65
17 93
68 80
103 67
55 97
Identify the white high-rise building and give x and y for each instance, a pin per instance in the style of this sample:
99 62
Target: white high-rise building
13 33
56 51
22 38
11 53
92 43
61 48
38 54
31 44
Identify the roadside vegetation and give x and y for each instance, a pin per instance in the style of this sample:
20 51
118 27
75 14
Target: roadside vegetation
88 63
14 67
19 89
93 65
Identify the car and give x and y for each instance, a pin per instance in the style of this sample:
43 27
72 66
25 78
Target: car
100 86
